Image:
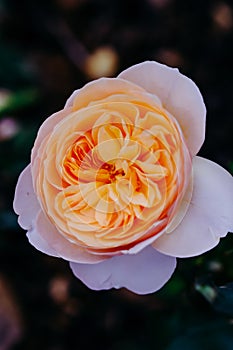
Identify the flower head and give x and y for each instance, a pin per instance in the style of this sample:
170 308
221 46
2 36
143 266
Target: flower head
114 185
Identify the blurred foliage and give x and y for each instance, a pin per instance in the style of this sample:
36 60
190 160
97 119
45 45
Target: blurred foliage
48 49
17 100
221 298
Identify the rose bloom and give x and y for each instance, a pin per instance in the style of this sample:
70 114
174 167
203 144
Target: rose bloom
115 187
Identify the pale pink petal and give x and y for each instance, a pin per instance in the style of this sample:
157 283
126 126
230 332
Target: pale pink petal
182 207
179 95
209 216
25 202
142 273
64 248
39 243
69 102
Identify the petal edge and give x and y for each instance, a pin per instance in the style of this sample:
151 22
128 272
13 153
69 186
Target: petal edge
142 273
179 95
209 216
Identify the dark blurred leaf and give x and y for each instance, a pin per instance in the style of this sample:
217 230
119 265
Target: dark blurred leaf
14 71
174 287
18 100
2 6
221 298
231 167
15 153
214 336
8 220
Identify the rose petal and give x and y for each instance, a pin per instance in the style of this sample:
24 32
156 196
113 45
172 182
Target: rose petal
100 89
111 88
209 216
64 248
70 101
39 243
141 273
25 202
179 95
142 245
182 207
47 127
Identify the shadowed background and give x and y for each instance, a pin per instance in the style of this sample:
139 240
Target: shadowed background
48 49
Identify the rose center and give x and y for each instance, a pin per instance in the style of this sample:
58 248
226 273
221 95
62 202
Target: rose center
108 173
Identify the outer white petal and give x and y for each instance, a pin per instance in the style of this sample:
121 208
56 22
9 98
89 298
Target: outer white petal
44 231
209 216
25 202
39 243
179 95
141 273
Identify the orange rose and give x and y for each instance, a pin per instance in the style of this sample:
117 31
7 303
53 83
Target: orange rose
114 183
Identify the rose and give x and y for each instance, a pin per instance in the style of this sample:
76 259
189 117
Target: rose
115 187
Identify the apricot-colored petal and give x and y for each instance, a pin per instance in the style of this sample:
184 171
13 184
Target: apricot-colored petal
179 95
99 89
209 216
25 202
142 273
130 151
47 127
64 248
108 146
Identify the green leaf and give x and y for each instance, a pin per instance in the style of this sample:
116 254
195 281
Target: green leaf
18 100
221 298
